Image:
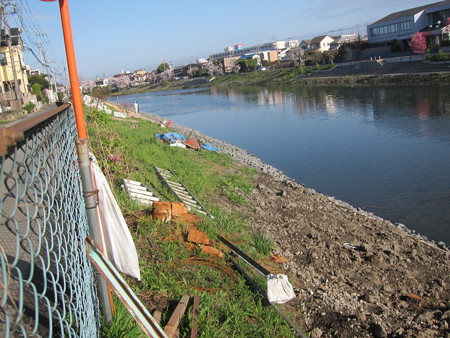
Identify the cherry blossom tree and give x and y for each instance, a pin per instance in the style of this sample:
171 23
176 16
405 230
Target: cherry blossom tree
166 75
119 82
418 43
151 77
296 55
87 86
213 69
236 68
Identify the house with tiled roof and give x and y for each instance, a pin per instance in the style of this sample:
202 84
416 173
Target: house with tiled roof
400 26
305 45
343 39
321 43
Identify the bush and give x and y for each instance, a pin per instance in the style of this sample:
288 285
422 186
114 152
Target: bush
37 90
439 57
29 107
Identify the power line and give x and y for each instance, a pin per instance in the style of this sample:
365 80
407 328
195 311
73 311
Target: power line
41 41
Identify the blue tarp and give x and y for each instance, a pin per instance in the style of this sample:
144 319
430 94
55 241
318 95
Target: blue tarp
209 147
171 137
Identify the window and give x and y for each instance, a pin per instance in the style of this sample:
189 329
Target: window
391 29
405 25
394 28
3 61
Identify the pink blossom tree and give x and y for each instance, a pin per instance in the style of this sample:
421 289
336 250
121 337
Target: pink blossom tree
118 82
236 68
296 55
166 75
151 77
87 86
213 69
418 43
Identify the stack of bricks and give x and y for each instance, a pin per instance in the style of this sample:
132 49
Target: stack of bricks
178 213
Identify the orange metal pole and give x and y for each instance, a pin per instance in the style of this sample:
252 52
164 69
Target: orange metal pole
83 154
72 65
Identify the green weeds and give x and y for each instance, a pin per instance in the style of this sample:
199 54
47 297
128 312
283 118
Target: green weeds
263 243
170 266
122 325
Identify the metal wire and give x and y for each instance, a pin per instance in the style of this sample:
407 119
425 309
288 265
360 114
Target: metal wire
46 280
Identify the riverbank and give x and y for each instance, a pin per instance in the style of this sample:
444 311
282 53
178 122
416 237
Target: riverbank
380 72
364 73
387 281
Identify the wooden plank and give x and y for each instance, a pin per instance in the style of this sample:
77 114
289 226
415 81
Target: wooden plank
157 316
195 311
171 327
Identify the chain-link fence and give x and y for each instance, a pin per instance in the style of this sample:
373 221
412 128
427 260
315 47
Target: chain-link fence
47 284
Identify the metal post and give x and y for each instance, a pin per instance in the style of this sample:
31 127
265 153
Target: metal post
90 199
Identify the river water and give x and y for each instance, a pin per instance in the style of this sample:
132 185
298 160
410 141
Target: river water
383 149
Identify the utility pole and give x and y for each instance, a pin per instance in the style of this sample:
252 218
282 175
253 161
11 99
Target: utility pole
46 61
7 34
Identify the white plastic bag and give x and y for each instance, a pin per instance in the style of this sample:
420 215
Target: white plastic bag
117 242
279 290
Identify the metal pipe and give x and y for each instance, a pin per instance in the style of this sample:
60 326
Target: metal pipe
72 65
90 199
246 258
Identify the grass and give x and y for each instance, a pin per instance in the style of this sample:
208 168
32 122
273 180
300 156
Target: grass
171 267
122 325
263 243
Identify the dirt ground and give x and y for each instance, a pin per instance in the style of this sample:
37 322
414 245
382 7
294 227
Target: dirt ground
385 282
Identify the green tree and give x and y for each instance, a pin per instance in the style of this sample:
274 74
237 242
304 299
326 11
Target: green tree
162 67
100 93
37 90
39 79
248 65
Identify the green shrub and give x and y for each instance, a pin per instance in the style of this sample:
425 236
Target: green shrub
29 107
439 57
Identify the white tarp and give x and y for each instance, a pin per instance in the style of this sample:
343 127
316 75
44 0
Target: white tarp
117 242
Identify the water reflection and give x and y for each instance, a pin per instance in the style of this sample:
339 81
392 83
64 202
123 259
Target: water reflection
372 103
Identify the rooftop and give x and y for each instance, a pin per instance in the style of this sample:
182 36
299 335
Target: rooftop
411 12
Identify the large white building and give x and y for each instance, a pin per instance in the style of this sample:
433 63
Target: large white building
402 25
240 50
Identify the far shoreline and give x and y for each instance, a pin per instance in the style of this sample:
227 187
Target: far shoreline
406 73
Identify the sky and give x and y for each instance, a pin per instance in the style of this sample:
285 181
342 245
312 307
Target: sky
112 36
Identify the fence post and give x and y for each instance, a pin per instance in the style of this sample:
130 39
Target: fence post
90 199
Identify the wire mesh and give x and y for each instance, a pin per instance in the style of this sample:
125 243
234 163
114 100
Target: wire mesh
47 283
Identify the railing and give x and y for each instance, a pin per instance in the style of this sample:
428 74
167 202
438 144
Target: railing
47 284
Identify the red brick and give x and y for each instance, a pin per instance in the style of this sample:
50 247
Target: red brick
209 250
198 236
